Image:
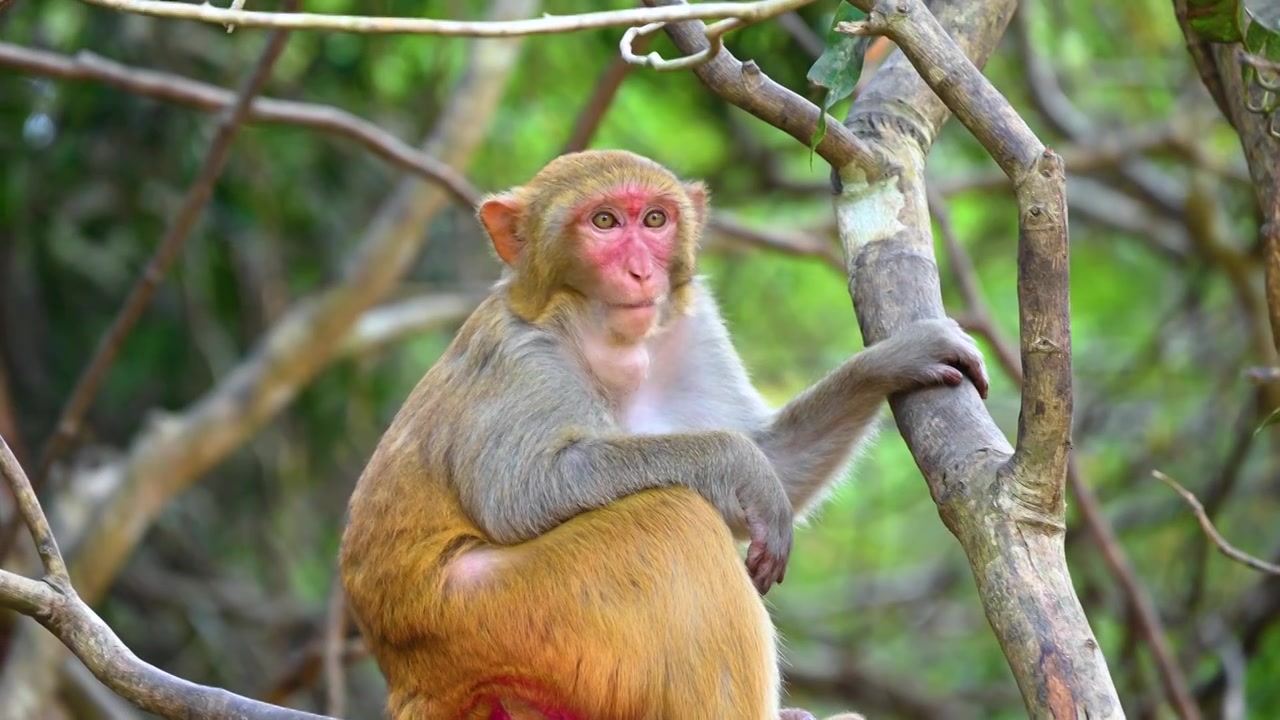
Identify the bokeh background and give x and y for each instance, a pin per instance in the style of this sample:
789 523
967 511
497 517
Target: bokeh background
231 585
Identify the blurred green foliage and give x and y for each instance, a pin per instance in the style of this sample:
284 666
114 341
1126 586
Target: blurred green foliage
90 177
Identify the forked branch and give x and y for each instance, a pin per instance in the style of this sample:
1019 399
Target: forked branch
748 87
53 602
1044 425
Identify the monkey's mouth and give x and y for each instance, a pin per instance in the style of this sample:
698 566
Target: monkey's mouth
635 305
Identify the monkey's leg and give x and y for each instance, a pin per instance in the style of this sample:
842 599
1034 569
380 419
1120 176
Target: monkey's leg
641 609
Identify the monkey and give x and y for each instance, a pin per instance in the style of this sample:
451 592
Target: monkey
551 525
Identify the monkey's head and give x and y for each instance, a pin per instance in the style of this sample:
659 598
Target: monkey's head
609 229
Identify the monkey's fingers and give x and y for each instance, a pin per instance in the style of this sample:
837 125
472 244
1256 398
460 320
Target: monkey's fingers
976 370
763 568
795 714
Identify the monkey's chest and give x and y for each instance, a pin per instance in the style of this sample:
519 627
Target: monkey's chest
638 386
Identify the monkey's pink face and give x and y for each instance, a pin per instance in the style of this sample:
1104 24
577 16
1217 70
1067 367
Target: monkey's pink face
628 236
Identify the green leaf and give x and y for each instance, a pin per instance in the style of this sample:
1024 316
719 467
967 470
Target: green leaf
1272 419
1216 20
1262 41
837 70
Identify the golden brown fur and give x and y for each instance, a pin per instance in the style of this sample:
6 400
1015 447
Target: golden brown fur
547 529
640 609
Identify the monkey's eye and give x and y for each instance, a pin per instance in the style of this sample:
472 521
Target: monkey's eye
604 220
655 219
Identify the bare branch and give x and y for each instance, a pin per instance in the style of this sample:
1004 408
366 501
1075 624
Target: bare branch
335 633
175 450
746 85
32 515
1206 524
714 34
747 12
1136 596
86 65
193 204
390 323
55 605
1008 516
796 243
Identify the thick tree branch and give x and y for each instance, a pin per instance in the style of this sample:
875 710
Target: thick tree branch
1219 67
86 65
746 86
1044 426
1136 596
1006 510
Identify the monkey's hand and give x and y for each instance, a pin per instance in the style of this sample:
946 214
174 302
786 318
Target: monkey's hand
930 352
770 525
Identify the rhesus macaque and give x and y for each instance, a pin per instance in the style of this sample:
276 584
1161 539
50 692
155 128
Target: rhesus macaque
547 529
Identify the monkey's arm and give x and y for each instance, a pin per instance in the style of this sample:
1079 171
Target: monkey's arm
813 437
550 452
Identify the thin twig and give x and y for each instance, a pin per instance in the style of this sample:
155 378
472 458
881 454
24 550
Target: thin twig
796 243
1206 524
86 65
193 204
335 632
747 12
305 668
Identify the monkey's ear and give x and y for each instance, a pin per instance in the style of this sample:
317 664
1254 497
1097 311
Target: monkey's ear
698 196
500 215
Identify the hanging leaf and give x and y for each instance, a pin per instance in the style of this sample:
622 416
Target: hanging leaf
1216 20
1272 419
837 70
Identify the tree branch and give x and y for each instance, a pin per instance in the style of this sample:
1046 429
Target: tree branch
746 86
1005 509
56 606
86 65
1044 426
1113 555
1206 524
746 12
193 203
171 453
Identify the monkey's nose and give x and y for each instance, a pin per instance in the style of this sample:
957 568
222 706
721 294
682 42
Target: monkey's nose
640 271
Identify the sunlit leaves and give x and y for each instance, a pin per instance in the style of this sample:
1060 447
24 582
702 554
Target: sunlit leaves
1216 20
